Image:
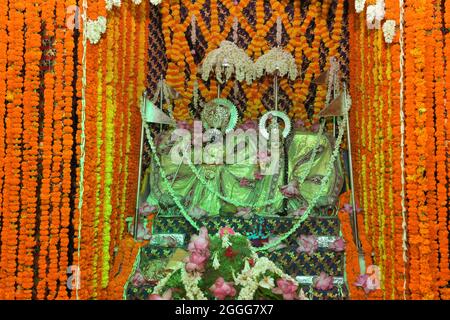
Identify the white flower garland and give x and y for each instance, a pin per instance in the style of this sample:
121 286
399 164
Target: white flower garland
248 278
389 30
374 14
275 60
236 60
95 29
112 3
359 5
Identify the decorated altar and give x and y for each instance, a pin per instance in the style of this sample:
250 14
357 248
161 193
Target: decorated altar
255 178
224 149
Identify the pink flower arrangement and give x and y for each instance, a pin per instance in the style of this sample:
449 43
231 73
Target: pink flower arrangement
199 243
338 245
196 262
166 296
323 282
221 289
226 230
290 190
199 252
308 244
286 288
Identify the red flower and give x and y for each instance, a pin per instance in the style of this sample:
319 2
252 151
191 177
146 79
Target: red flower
229 253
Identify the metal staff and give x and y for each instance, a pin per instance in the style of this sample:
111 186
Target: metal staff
352 184
335 109
141 152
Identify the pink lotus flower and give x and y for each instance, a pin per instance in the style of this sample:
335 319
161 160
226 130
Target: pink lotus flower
226 230
323 282
244 213
287 288
199 242
258 176
199 251
166 296
196 262
244 182
138 279
299 124
221 289
308 244
338 245
290 190
146 209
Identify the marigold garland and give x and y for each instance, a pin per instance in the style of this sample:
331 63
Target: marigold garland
27 216
14 153
3 90
379 149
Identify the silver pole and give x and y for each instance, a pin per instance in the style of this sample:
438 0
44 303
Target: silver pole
275 85
350 164
141 151
161 99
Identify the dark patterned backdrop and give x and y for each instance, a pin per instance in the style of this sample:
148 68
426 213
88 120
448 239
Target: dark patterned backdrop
312 30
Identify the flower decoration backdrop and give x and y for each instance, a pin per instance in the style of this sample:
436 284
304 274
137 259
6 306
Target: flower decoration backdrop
399 122
409 235
184 32
40 146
